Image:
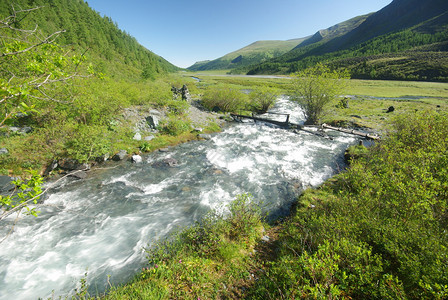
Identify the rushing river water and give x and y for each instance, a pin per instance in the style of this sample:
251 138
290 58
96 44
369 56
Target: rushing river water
102 224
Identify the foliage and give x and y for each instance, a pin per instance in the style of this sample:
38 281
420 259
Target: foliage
315 88
208 260
262 99
376 231
223 98
25 192
175 126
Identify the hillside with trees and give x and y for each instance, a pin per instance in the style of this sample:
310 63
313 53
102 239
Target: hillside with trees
409 35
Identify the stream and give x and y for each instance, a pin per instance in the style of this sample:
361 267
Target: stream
102 224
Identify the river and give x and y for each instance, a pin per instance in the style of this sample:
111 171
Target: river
101 225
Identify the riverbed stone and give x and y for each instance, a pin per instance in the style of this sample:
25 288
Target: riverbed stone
136 159
78 174
205 136
171 162
120 155
72 165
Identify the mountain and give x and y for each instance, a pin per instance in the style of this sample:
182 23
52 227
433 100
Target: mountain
404 40
114 51
257 52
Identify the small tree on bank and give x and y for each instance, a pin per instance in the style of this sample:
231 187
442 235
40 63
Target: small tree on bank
314 88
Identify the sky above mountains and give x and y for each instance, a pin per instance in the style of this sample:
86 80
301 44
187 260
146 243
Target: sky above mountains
184 32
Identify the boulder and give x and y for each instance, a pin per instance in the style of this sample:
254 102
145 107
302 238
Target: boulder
137 136
390 109
72 165
3 151
154 112
149 138
5 184
78 174
136 159
205 136
198 129
171 162
120 155
153 121
102 158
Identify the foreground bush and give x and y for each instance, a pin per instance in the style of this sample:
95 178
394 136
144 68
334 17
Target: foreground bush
377 231
224 99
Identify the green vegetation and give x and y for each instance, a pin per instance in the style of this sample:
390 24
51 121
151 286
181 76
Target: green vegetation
209 260
315 88
377 231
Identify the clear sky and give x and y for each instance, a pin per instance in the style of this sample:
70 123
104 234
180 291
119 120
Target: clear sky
187 31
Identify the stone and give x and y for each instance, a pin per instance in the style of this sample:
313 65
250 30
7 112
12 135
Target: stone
149 138
26 129
78 174
136 159
154 112
3 151
164 150
72 165
265 238
102 158
137 136
14 129
171 162
120 155
390 109
205 136
5 184
198 129
153 121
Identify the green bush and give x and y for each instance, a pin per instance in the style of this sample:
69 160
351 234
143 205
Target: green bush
224 99
175 126
262 99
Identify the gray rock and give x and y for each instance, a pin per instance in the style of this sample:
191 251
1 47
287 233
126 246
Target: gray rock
164 150
265 238
3 151
136 159
102 158
149 138
171 162
153 121
72 165
26 129
14 129
78 174
137 136
5 184
198 129
205 136
154 112
120 155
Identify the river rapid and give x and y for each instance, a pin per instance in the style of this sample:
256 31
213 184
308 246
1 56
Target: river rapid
101 225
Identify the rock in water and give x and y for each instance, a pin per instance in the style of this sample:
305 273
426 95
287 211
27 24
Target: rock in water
136 159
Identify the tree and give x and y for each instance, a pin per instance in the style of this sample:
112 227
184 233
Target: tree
32 67
314 88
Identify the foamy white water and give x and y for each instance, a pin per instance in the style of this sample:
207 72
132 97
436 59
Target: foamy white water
101 225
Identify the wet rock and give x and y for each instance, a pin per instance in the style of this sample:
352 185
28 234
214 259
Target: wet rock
3 151
205 136
5 184
78 174
72 165
120 155
164 150
136 159
171 162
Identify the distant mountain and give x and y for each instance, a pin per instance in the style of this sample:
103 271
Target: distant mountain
404 40
257 52
114 51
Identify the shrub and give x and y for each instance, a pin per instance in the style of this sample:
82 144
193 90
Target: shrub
262 99
175 126
224 99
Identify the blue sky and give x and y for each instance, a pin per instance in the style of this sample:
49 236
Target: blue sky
184 32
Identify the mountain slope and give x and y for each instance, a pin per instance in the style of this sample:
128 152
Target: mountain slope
403 26
114 50
254 53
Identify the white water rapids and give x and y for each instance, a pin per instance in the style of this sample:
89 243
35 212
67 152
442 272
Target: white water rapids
101 225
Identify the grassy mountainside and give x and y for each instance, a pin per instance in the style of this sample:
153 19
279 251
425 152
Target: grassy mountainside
254 53
401 27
